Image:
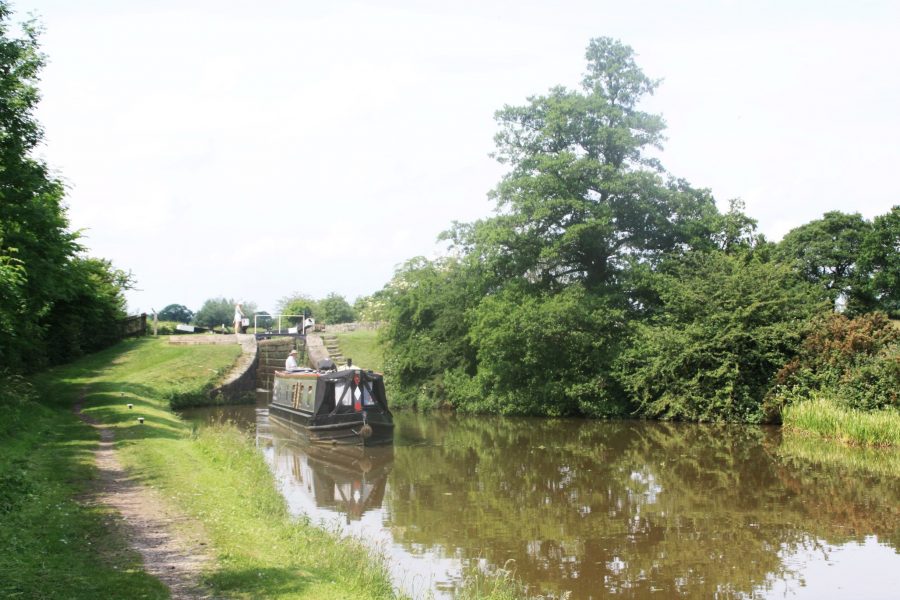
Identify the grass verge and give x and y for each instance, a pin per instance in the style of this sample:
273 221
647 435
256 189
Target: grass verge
825 418
54 544
363 347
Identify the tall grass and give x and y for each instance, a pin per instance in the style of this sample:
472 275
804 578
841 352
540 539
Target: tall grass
826 418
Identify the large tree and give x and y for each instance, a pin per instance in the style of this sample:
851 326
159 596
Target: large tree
583 207
583 195
334 308
880 262
54 301
176 312
215 312
826 252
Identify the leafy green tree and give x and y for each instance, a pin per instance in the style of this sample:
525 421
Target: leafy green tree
728 323
547 354
371 308
427 334
334 308
86 319
298 304
532 313
35 244
55 303
176 312
879 261
215 312
582 195
263 319
826 251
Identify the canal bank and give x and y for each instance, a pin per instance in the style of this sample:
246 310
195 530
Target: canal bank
56 543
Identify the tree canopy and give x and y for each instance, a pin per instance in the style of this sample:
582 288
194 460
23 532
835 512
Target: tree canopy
582 195
334 308
605 285
215 312
176 312
55 302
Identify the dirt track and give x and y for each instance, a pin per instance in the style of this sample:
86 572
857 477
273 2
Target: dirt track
172 546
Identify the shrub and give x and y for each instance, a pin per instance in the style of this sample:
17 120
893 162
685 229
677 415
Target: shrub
854 361
726 325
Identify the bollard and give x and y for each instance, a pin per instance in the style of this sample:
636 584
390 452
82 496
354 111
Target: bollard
130 406
141 420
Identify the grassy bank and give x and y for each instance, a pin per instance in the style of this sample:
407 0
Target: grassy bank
363 347
53 544
827 419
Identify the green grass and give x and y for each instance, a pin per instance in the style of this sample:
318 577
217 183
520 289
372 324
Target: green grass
52 545
363 347
825 418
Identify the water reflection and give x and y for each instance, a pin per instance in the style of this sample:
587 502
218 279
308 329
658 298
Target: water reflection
641 510
349 480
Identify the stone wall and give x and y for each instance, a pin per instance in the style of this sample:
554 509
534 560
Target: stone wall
271 355
361 325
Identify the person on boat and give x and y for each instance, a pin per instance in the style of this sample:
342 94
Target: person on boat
238 317
291 363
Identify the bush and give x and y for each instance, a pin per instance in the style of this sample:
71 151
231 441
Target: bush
854 361
547 354
727 324
15 395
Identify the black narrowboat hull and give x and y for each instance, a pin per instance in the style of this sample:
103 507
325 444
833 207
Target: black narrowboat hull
353 429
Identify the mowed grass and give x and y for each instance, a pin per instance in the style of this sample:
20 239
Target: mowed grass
825 418
363 347
55 544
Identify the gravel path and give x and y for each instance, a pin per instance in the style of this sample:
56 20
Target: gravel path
171 545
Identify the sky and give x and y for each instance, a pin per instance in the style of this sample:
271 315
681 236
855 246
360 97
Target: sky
256 150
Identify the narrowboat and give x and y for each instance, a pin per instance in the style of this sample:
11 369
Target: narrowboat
348 406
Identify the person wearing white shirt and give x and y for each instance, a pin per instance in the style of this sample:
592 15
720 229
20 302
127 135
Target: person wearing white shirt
291 363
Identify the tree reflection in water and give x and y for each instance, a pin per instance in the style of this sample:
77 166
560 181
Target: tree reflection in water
631 508
637 509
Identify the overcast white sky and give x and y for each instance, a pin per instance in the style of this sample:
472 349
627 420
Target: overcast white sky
243 149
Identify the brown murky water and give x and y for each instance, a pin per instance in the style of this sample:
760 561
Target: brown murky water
599 509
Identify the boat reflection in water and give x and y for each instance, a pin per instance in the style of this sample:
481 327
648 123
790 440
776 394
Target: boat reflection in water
326 480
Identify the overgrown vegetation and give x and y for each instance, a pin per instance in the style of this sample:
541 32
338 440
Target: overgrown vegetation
718 338
855 361
605 286
844 383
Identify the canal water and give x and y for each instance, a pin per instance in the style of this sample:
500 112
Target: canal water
585 509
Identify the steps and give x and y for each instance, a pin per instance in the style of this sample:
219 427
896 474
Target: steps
334 349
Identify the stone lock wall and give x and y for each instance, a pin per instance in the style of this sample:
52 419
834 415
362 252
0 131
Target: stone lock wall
272 353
